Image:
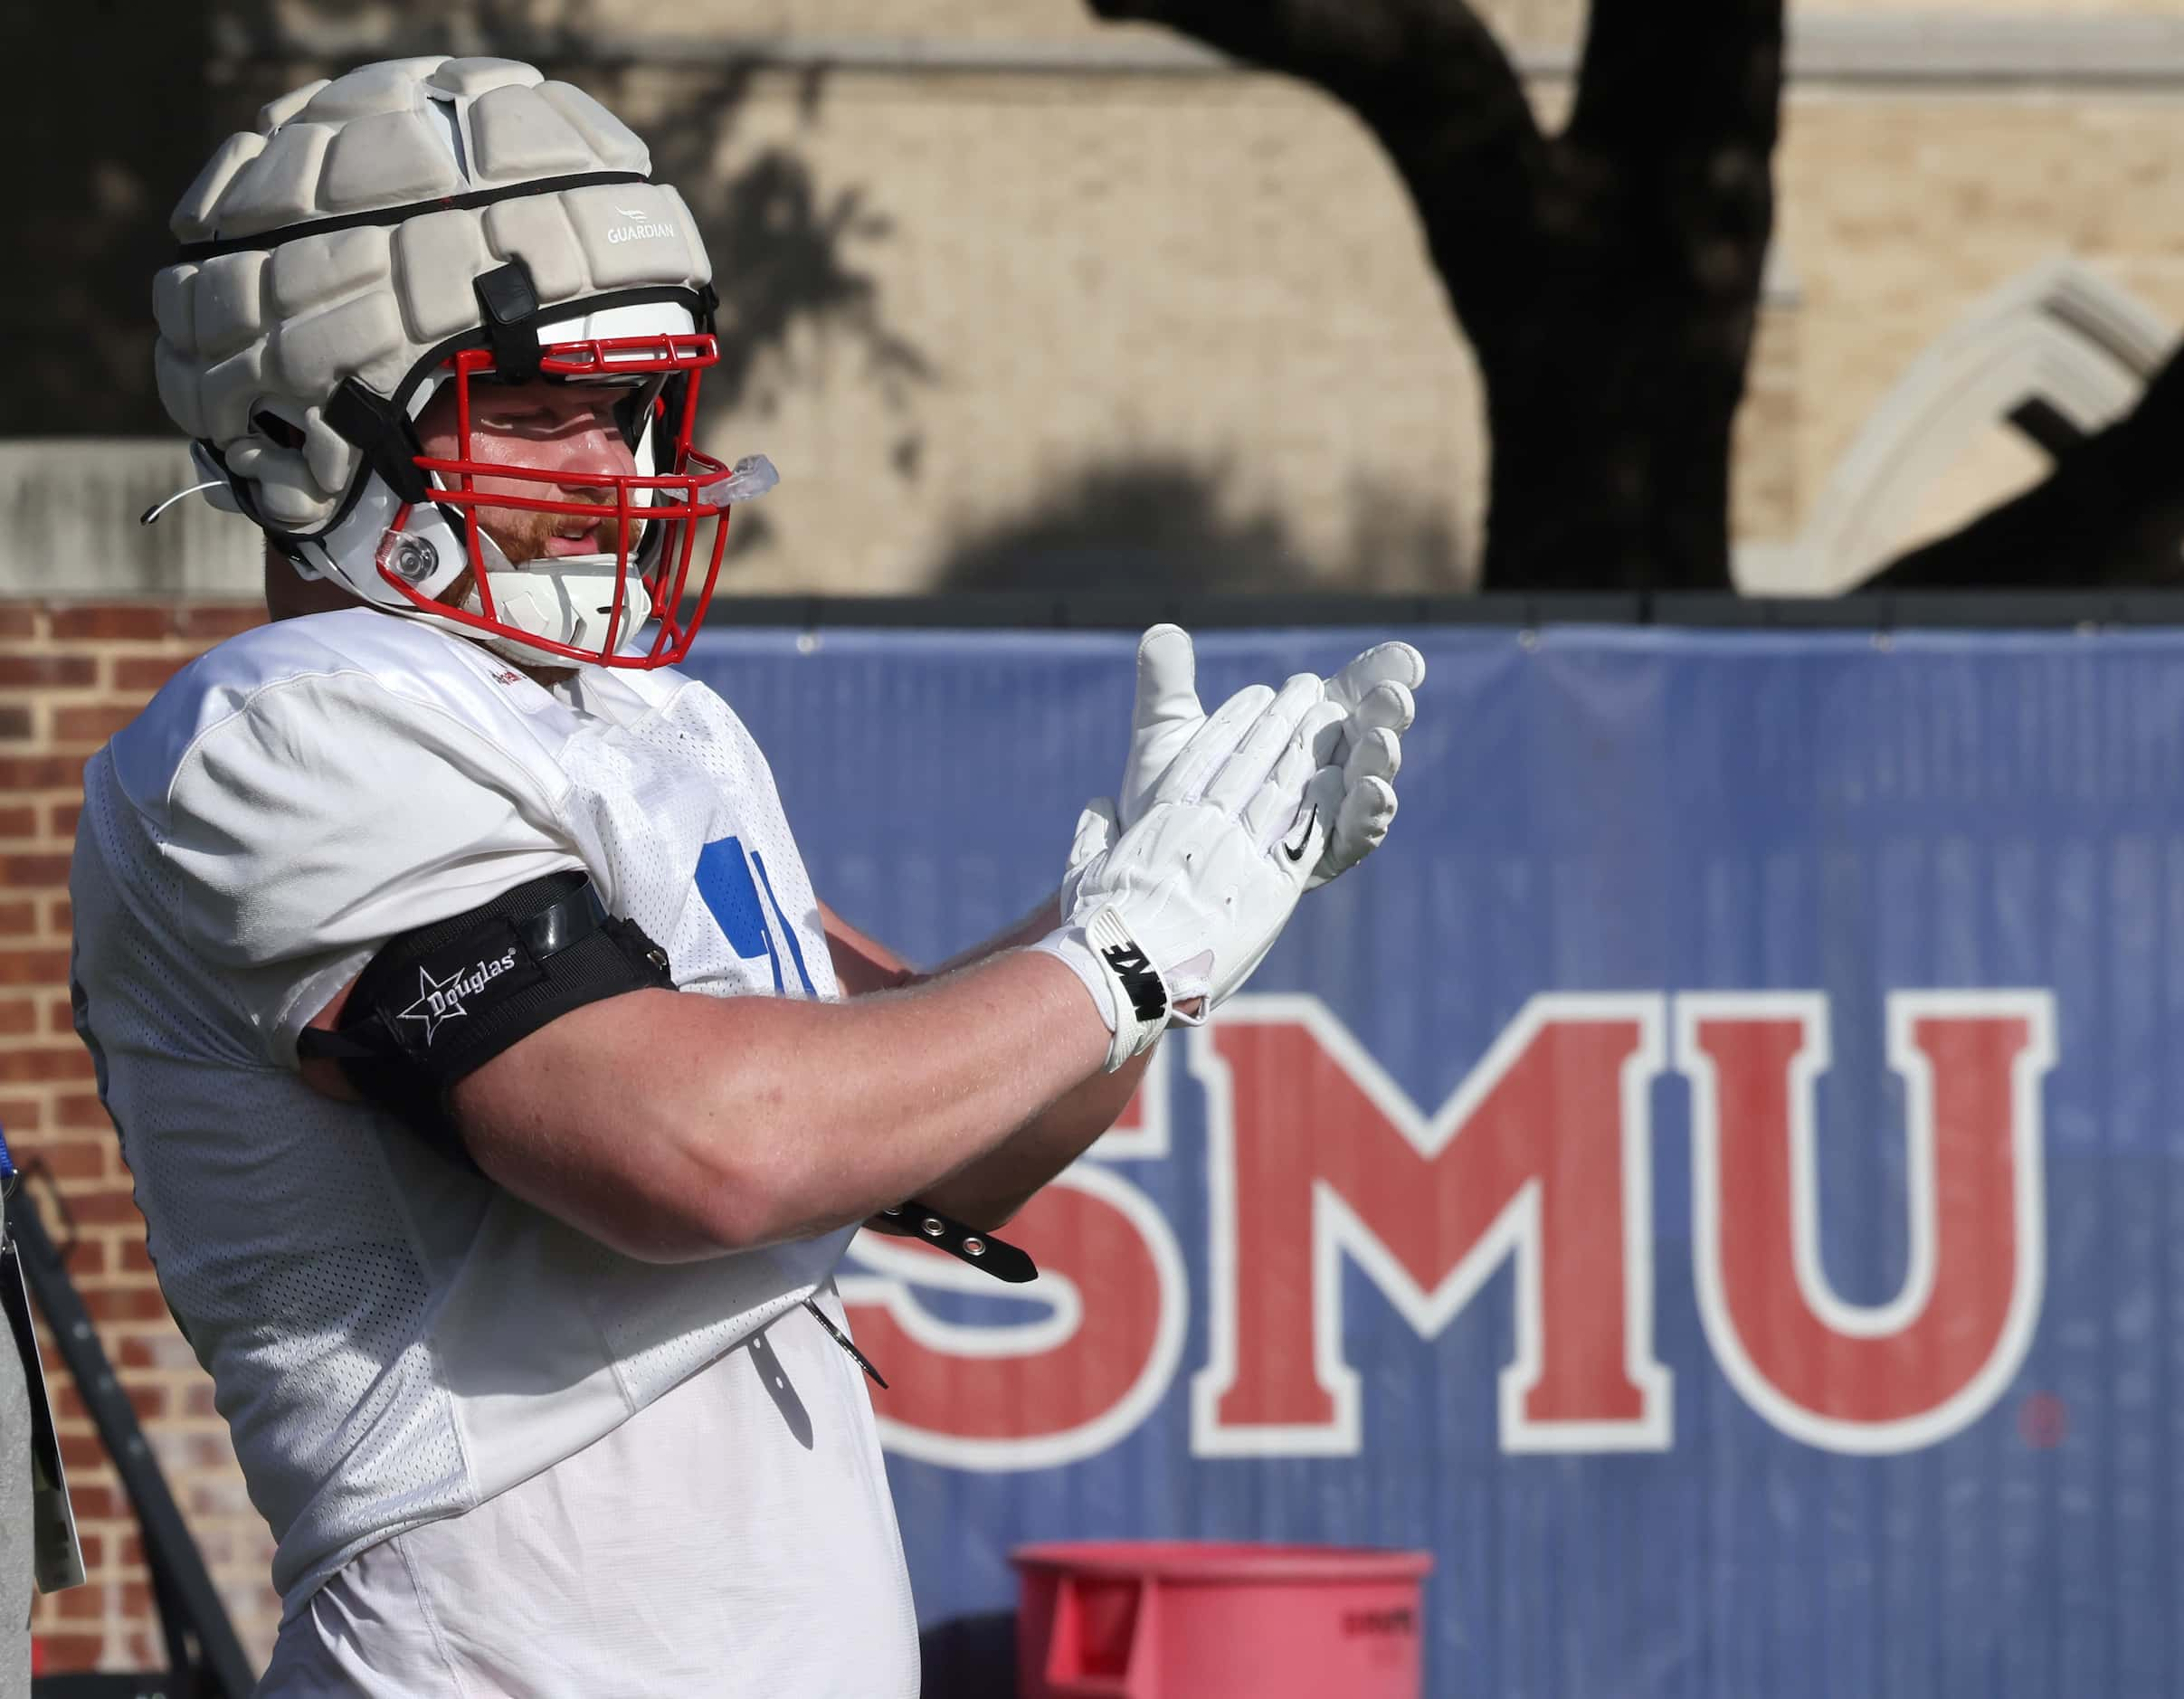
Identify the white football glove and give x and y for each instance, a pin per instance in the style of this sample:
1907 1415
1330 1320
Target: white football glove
1187 902
1374 693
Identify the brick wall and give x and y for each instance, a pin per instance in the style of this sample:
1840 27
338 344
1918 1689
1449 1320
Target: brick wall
69 675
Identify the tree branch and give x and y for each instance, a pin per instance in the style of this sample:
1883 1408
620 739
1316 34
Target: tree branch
1669 142
2111 513
1648 87
1608 278
1430 81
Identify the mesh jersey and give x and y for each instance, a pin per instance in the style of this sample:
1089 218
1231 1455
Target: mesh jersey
394 1340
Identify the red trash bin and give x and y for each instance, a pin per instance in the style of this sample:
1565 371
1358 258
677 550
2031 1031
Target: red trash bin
1188 1619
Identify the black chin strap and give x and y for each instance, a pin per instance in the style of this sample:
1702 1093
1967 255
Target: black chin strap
380 432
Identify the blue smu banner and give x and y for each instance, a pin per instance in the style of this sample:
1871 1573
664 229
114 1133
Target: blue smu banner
1712 1179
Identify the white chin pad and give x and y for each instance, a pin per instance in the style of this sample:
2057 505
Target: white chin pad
570 600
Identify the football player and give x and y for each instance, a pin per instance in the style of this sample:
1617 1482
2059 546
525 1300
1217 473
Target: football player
499 1096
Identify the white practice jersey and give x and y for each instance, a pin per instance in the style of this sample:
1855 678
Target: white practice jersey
580 1473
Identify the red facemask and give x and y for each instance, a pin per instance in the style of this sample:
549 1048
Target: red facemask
667 529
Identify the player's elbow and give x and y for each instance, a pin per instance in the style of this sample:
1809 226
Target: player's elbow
673 1205
716 1181
654 1236
741 1205
770 1179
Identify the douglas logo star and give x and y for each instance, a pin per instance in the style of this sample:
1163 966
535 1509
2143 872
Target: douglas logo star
442 999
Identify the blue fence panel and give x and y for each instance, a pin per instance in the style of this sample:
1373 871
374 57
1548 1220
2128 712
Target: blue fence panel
1905 1421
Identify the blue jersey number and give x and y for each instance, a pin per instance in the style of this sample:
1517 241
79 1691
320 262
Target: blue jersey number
724 881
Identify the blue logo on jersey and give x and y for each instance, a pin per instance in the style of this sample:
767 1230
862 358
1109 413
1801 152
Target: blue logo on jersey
724 881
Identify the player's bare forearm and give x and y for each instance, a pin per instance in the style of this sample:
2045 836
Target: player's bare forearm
988 1192
783 1119
1045 916
863 964
991 1190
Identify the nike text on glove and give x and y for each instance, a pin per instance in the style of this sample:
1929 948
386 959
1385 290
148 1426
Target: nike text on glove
1374 692
1187 901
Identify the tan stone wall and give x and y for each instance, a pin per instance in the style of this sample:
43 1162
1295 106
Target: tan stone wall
896 20
1766 488
992 21
1223 271
1218 270
1900 211
1530 23
1915 9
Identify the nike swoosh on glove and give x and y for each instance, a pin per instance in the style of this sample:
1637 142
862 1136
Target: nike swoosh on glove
1187 901
1374 693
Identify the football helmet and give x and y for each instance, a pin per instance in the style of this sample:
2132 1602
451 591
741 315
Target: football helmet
425 222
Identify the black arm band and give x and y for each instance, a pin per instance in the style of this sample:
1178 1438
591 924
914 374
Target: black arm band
439 1002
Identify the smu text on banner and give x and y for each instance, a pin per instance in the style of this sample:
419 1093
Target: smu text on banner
1712 1179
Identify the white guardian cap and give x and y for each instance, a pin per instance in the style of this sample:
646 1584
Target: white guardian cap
426 222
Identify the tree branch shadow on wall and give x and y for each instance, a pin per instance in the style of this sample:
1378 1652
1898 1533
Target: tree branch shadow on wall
782 260
170 81
2109 514
1146 524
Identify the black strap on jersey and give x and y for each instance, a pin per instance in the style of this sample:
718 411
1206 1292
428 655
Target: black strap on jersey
438 1003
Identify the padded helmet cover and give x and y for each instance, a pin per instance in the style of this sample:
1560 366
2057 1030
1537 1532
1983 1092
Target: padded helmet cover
343 238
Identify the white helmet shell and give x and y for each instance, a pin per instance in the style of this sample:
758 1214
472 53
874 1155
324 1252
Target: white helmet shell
343 240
